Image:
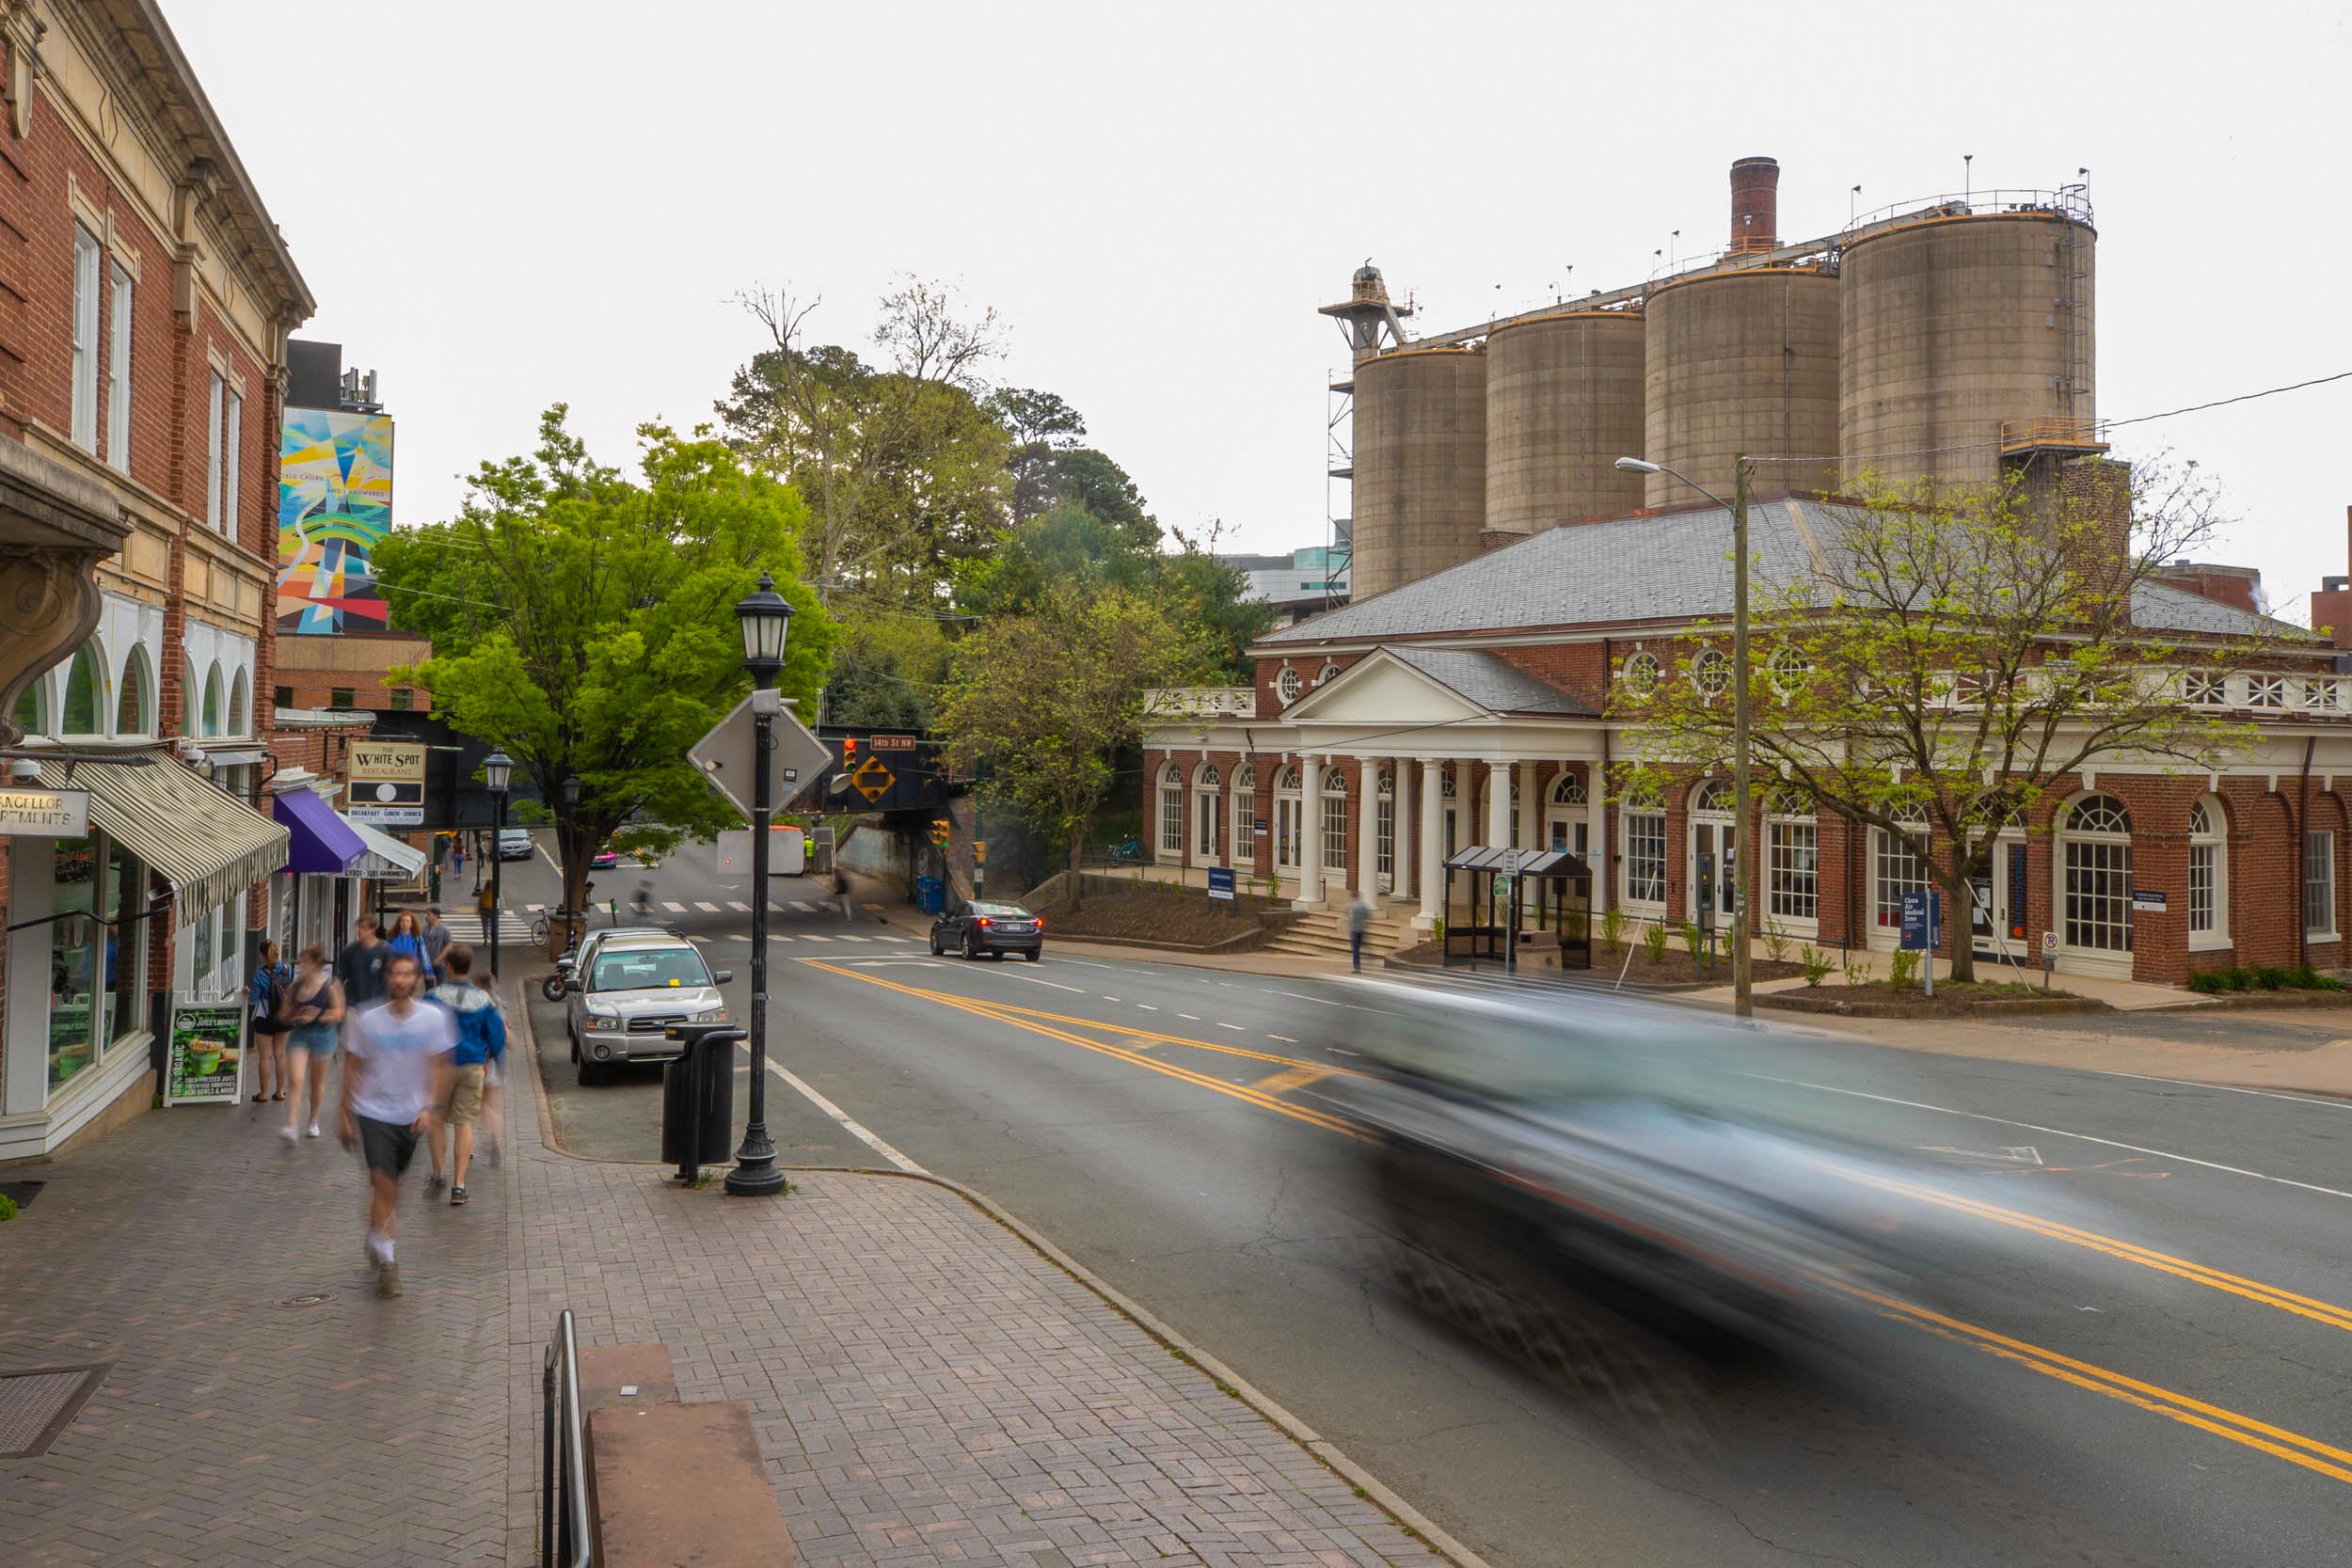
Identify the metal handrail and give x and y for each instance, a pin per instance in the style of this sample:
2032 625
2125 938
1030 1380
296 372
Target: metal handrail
566 1539
2067 201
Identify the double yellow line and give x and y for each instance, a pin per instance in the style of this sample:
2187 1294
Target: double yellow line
2310 1453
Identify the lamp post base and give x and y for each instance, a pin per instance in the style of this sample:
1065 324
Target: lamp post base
760 1178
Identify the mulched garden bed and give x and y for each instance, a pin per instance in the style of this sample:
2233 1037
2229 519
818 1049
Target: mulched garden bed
1159 915
1952 999
1677 972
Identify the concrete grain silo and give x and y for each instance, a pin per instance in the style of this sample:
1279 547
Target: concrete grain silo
1742 359
1563 402
1420 464
1964 335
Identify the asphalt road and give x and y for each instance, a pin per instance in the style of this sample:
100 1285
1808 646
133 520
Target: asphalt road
2161 1374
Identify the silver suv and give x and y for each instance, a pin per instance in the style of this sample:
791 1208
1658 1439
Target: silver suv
625 990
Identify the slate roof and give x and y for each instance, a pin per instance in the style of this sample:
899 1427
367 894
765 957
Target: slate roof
1486 679
1672 568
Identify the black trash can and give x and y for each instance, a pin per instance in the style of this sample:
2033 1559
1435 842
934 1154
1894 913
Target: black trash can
698 1097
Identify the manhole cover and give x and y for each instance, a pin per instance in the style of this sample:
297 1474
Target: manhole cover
36 1405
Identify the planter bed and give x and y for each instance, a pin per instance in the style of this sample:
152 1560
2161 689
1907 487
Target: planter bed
1879 1000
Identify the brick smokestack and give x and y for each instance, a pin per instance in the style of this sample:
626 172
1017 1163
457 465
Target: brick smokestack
1755 205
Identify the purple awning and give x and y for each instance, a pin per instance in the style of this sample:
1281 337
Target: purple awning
324 844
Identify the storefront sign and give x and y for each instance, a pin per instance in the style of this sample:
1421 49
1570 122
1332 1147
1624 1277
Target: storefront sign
43 813
204 1064
2149 899
1221 882
386 782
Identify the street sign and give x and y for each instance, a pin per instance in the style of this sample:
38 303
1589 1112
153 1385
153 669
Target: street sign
43 813
892 742
724 757
872 779
384 783
2148 898
1922 921
2049 943
1221 882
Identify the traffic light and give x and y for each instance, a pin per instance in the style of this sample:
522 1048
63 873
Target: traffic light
848 751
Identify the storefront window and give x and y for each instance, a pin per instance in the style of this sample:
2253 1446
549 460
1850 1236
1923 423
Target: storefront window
75 944
125 901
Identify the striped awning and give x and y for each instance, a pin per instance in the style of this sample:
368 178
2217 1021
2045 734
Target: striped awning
209 846
388 859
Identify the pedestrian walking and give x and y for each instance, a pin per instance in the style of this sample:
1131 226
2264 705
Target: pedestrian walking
457 859
360 968
1358 922
436 940
314 1013
396 1070
841 891
640 902
407 937
489 912
481 1041
265 995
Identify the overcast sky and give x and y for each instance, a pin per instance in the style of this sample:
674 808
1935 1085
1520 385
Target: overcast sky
500 205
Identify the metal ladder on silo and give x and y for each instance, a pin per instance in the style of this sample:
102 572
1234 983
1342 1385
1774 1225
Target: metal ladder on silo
2075 329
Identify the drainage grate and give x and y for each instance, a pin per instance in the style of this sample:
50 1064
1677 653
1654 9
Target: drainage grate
37 1405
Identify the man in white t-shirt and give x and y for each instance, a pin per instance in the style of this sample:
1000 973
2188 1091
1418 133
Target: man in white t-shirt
396 1070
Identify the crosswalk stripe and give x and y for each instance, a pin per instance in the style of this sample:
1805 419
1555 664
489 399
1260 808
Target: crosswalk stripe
846 937
707 909
673 907
738 906
811 936
804 906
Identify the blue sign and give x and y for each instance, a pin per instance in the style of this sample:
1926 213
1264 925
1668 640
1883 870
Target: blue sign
1220 882
1922 921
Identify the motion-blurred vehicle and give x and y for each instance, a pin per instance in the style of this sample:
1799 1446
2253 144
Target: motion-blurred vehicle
994 929
604 859
514 843
1533 1138
626 988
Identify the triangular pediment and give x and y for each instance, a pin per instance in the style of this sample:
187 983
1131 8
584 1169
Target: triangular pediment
1381 688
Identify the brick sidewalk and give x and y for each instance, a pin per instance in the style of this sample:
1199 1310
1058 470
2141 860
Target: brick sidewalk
927 1388
264 1407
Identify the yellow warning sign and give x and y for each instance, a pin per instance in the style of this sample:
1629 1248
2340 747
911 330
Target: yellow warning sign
872 780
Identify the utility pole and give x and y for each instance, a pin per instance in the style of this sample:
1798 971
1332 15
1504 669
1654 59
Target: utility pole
1742 966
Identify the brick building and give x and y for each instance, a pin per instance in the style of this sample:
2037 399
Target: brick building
145 298
1371 744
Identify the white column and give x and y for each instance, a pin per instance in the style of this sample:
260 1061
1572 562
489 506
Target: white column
1432 843
1404 858
1310 834
1597 838
1498 805
1368 829
1531 809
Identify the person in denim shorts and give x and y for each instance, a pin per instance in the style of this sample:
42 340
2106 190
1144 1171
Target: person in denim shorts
314 1008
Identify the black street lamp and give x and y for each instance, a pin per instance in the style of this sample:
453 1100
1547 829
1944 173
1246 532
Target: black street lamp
570 831
496 770
766 617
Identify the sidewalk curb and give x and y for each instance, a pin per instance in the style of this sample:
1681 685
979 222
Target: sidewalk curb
1405 1513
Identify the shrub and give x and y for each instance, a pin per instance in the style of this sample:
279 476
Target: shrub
1777 944
2307 978
1437 931
1654 941
2270 976
1816 962
1691 938
1902 968
1613 926
2209 981
1856 970
7 1207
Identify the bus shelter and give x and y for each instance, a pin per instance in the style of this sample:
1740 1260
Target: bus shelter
1526 909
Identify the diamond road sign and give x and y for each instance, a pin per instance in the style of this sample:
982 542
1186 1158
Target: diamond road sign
872 780
724 757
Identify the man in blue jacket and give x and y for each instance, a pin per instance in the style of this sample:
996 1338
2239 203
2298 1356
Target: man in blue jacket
480 1040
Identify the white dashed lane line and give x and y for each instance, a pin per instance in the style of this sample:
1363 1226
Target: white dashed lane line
1195 1016
1146 1006
1285 1039
1234 1027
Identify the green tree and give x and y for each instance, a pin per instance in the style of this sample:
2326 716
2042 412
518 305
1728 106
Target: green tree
584 620
886 669
1954 656
1039 704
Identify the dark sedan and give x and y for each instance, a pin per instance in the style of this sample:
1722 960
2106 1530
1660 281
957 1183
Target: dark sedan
973 930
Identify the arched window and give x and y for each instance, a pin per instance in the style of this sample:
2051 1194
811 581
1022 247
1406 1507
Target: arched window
1792 877
134 708
1896 868
1334 820
1330 671
212 700
1171 811
2208 874
2096 859
240 706
1205 813
1711 673
1286 686
1445 784
1243 838
1384 831
1568 790
1567 824
1713 797
84 692
1641 673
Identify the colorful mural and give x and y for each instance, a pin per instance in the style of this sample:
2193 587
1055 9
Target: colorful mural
334 502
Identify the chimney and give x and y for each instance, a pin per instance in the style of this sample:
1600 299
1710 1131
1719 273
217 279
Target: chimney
1755 205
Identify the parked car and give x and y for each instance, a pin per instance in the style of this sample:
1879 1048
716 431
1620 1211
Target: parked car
997 929
605 859
514 843
627 988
